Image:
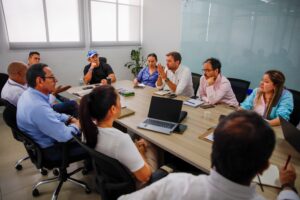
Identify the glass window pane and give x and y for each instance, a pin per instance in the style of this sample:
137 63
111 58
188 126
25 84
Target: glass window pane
130 2
103 20
112 1
129 23
25 20
63 20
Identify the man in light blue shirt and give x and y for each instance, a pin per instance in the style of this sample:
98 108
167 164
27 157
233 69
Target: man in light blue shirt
36 117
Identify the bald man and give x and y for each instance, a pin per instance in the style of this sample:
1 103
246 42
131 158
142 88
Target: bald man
16 83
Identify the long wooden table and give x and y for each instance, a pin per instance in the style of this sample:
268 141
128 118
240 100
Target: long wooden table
188 146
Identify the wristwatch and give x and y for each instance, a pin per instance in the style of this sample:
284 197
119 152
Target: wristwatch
167 80
290 186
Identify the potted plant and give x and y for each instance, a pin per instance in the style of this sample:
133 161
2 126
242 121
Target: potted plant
137 61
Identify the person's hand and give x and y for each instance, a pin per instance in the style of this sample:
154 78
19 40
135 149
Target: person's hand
60 89
288 175
141 146
210 81
103 82
135 82
161 72
75 121
94 65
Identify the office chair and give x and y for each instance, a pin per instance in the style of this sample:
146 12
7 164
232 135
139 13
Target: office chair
36 156
11 112
3 79
112 178
240 88
103 60
196 81
295 116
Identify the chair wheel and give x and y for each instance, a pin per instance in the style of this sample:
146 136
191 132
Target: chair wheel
19 167
55 172
44 172
84 172
88 190
35 192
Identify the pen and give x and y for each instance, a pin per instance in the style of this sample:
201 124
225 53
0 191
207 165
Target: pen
261 187
190 102
287 161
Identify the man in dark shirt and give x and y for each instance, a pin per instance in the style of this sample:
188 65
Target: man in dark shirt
96 71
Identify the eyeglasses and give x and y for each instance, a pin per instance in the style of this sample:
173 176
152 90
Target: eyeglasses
207 70
52 77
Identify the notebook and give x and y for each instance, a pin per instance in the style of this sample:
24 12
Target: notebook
290 133
163 115
269 177
162 92
193 102
126 112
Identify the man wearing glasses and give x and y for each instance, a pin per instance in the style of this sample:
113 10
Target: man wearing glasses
215 88
36 117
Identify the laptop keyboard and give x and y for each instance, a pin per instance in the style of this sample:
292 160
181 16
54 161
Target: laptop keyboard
159 123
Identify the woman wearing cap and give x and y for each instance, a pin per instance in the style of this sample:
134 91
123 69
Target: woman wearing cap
271 99
148 75
96 71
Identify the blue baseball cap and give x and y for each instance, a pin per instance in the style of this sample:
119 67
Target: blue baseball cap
91 53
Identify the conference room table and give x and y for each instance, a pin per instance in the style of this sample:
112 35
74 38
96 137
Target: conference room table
191 145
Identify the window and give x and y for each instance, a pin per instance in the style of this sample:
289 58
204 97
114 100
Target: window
115 21
71 23
41 22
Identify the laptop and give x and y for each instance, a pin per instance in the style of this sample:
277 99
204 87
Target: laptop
291 133
163 116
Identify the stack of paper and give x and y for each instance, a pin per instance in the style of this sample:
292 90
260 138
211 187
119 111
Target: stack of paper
269 177
162 92
193 102
81 93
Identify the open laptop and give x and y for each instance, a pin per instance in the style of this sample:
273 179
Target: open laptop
163 115
291 133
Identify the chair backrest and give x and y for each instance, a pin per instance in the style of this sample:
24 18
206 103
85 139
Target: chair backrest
3 79
240 88
196 80
33 150
112 178
103 60
295 116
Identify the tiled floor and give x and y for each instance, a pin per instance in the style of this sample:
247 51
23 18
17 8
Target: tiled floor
18 184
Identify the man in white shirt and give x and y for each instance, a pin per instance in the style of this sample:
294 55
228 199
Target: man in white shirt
175 77
243 144
16 83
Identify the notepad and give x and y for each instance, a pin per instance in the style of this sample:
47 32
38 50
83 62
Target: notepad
193 102
126 92
140 85
270 177
81 93
162 92
126 112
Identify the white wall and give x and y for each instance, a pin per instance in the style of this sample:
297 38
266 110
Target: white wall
161 27
161 34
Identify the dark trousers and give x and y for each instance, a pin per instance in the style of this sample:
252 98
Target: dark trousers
67 107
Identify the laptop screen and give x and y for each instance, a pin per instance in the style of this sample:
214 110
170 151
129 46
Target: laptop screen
165 109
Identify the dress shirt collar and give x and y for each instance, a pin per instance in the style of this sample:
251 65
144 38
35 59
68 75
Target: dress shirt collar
12 82
38 93
230 187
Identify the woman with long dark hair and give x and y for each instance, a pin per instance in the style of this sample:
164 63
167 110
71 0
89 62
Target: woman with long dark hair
97 112
271 99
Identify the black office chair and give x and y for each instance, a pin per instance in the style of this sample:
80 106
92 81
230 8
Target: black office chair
102 60
196 81
36 156
112 178
12 123
3 79
240 88
295 116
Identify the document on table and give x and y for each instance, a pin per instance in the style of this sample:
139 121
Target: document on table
270 177
193 102
162 92
81 93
